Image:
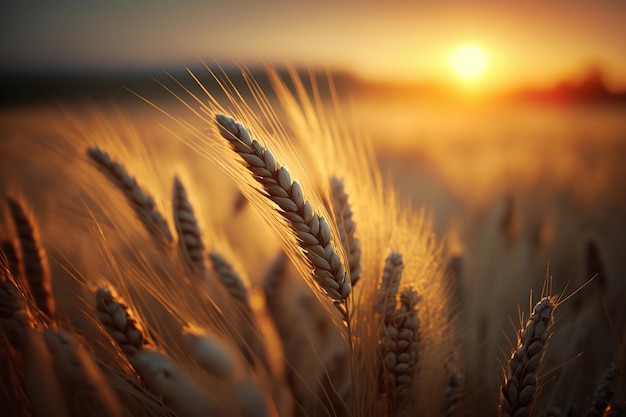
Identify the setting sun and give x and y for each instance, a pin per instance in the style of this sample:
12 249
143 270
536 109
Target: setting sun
468 62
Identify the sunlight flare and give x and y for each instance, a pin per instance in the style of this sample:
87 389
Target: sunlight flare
468 62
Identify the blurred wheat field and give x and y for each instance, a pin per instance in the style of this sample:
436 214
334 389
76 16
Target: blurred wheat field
508 191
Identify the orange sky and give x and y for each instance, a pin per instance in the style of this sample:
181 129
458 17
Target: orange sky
527 42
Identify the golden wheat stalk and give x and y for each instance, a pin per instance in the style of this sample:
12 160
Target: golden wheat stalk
347 228
33 258
142 202
518 390
311 229
189 234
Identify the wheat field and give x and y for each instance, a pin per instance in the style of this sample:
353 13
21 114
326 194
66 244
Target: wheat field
228 253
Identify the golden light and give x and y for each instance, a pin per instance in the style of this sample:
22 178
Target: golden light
468 62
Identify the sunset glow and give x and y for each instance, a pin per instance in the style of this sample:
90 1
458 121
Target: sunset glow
468 62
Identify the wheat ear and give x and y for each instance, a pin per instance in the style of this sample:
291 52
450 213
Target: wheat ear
189 235
520 384
116 319
311 229
272 283
453 392
347 228
34 259
12 259
11 301
389 286
603 392
230 279
400 343
82 381
142 202
248 341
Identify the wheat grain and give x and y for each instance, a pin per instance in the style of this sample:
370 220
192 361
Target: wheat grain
603 392
34 260
189 235
311 229
518 391
142 202
347 228
82 382
116 319
389 286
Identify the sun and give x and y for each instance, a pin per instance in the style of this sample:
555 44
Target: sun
468 62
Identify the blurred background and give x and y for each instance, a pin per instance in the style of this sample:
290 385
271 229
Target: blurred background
506 120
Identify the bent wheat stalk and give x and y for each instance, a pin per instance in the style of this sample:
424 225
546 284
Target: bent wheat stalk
312 230
518 391
34 260
142 202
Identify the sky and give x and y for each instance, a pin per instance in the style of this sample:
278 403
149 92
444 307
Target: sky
525 42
